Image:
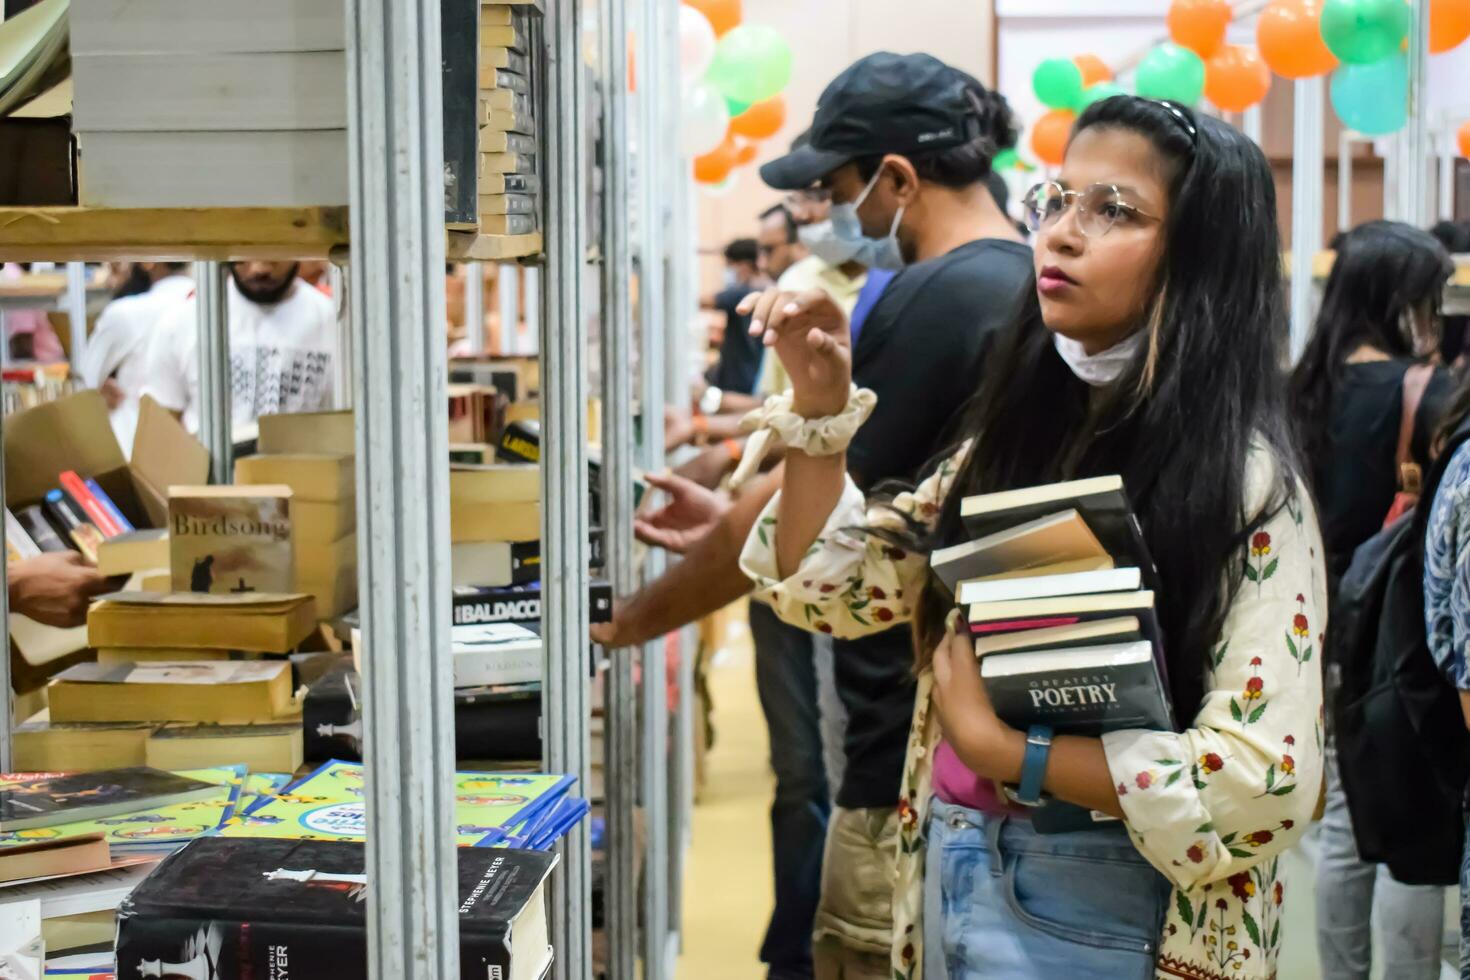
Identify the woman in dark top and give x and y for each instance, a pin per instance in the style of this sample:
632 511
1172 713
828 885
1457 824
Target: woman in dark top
1379 318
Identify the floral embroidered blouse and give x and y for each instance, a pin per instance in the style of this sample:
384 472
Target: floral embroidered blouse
1211 808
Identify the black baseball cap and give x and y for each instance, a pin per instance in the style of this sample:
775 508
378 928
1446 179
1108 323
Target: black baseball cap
884 103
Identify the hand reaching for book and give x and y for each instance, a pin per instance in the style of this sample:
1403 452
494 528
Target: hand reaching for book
55 588
809 332
688 516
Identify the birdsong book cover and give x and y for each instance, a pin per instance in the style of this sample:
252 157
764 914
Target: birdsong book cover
230 539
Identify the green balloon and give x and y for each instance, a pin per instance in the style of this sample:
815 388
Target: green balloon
1361 32
1098 92
1057 83
752 63
736 108
1171 72
1004 160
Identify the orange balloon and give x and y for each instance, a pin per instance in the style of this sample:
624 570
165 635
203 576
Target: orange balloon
715 166
722 14
1199 25
1050 134
1236 78
762 120
1093 69
1465 138
1449 24
747 154
1290 40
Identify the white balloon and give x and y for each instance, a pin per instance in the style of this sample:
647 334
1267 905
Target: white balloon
696 44
704 119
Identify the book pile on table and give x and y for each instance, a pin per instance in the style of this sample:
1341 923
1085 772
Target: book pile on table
181 681
263 907
210 103
1055 588
492 166
312 453
73 846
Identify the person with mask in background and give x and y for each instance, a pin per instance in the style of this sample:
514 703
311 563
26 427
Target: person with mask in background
283 347
740 353
116 360
901 147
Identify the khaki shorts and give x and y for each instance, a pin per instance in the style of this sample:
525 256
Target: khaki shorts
854 924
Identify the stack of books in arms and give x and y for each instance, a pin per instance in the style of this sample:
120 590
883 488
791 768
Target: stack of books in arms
1055 587
492 170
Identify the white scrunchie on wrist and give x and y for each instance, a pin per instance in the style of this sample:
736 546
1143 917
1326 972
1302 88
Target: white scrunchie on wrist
815 437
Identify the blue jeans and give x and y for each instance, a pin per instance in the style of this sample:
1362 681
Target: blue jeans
1004 901
786 678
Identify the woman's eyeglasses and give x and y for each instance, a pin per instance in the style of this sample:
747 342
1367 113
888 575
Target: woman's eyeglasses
1099 207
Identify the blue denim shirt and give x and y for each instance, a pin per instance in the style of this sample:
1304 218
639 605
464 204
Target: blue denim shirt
1447 571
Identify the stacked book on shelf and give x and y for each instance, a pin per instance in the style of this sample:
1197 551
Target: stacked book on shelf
491 89
1055 586
73 846
208 103
312 455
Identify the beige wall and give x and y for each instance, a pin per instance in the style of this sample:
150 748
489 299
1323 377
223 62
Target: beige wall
827 36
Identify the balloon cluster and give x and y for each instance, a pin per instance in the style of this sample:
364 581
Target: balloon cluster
1361 42
733 76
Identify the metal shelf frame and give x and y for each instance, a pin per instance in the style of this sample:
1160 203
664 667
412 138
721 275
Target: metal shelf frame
391 282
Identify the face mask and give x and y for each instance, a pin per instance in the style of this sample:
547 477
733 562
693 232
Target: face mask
821 240
1098 369
847 227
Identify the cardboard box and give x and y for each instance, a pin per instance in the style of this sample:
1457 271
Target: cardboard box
320 477
73 433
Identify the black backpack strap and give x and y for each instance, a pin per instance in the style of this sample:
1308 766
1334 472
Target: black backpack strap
1425 503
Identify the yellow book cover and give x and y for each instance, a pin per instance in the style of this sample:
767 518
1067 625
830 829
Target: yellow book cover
230 539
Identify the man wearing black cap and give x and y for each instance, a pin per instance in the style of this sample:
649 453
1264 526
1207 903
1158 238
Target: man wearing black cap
902 145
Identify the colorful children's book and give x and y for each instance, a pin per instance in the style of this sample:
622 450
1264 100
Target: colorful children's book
161 829
328 805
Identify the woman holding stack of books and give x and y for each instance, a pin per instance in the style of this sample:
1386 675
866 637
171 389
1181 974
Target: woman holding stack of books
1153 353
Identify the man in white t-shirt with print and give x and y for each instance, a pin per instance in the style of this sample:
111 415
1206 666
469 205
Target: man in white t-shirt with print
283 343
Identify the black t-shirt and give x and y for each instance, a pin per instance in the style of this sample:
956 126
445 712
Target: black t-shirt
1358 478
739 365
921 351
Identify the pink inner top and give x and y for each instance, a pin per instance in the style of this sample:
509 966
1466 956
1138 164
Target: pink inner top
957 784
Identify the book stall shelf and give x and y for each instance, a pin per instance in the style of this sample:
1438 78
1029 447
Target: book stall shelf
390 245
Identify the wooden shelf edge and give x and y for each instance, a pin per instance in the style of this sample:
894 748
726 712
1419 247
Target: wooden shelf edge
470 247
75 233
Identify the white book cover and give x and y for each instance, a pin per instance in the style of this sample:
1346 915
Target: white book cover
206 26
495 653
99 892
1039 586
193 92
22 948
282 168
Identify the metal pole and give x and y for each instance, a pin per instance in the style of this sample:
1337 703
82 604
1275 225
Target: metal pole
1306 207
396 169
621 901
1345 180
566 699
76 313
531 303
656 153
1415 158
7 696
1250 124
339 275
474 307
1391 198
1446 207
216 403
508 294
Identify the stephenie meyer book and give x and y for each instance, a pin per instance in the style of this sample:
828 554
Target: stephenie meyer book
252 909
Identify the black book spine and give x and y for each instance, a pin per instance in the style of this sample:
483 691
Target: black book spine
522 604
504 729
459 30
40 528
169 945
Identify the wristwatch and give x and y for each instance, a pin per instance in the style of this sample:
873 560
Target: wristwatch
709 402
1033 766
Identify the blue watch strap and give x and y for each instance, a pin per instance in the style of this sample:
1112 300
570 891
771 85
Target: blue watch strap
1033 765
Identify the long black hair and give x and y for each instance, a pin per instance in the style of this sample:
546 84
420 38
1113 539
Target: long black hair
1385 273
1178 425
